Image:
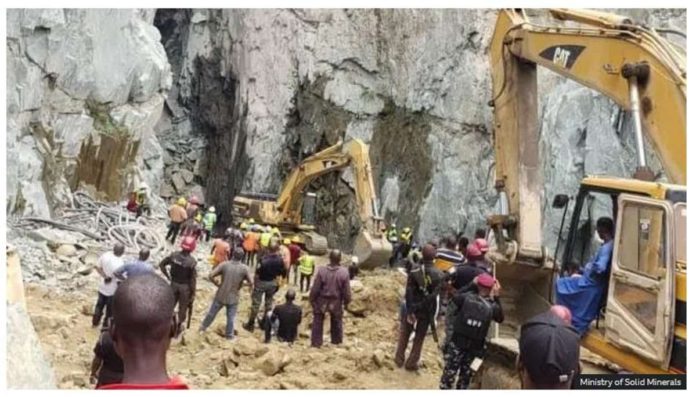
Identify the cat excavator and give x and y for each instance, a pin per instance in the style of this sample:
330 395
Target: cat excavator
642 327
292 211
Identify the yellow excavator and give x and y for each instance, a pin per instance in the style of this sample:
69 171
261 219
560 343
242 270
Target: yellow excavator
642 328
292 211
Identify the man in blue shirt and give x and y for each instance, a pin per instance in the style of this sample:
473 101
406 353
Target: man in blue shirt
584 295
135 267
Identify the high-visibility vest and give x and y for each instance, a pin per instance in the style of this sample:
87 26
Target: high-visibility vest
265 239
209 220
393 235
406 237
306 265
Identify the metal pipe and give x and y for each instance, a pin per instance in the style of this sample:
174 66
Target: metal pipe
635 111
503 204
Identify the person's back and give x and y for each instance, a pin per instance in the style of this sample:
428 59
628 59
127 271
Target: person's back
464 274
447 257
221 250
422 286
142 329
233 274
333 282
289 316
177 213
271 267
251 241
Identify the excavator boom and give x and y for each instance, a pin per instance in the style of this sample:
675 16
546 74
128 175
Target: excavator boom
371 246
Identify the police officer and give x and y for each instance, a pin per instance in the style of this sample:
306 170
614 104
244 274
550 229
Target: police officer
182 276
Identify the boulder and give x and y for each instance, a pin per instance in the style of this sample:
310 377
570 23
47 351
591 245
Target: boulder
187 176
87 310
27 364
67 250
245 346
272 362
179 183
339 375
85 270
357 308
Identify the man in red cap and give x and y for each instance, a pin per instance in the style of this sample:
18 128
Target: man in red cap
474 311
183 277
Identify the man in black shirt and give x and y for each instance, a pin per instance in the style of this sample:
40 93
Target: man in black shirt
265 282
288 317
422 288
107 366
182 276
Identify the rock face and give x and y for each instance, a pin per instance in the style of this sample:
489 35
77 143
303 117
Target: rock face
412 83
27 366
84 90
253 92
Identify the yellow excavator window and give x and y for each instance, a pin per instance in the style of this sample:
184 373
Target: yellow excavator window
641 251
680 232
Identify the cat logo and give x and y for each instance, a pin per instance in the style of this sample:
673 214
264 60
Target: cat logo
563 55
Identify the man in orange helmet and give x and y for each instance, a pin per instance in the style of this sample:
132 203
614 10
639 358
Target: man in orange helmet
183 278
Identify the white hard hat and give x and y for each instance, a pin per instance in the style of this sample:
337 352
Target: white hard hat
354 259
211 209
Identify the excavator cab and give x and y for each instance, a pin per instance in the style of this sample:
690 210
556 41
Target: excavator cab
309 208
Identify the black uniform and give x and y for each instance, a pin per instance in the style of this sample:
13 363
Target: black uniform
183 278
111 370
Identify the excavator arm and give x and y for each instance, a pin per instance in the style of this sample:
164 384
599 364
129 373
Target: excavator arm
637 68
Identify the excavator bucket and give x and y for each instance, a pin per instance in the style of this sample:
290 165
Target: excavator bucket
372 252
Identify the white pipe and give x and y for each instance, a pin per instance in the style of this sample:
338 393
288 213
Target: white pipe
635 110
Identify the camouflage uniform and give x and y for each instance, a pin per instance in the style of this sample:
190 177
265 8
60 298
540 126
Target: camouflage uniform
457 361
450 312
263 290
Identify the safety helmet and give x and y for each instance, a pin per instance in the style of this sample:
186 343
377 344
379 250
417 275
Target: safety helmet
228 232
267 229
393 225
407 229
181 201
188 243
482 245
211 209
275 231
296 239
193 200
473 251
354 260
243 226
286 241
251 220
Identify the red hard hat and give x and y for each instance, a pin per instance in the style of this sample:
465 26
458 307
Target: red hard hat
485 280
473 251
482 245
188 243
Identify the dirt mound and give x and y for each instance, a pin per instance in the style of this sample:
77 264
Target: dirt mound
208 361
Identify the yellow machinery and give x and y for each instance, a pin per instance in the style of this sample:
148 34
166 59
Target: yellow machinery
643 329
292 210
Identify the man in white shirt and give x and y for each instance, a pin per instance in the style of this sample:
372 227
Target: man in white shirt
106 266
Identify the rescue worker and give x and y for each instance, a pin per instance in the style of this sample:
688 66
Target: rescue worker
265 283
107 366
423 285
448 257
285 318
142 329
476 257
192 208
265 240
306 268
330 294
177 217
353 269
107 264
405 240
209 221
585 295
295 251
393 238
183 277
221 248
251 247
549 353
285 254
475 309
233 273
142 200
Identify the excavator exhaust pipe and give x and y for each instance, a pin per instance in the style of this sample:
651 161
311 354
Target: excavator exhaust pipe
372 252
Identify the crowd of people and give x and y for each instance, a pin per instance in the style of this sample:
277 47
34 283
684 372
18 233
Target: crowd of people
448 280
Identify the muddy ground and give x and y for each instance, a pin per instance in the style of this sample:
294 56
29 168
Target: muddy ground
208 361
